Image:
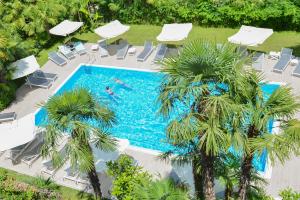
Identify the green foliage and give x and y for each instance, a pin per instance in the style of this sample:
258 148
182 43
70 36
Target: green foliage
289 194
276 14
7 94
125 176
160 189
43 183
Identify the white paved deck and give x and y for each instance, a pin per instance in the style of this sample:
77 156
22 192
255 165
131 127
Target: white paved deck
287 175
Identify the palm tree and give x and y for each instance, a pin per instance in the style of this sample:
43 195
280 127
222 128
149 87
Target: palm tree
199 83
73 112
281 106
159 190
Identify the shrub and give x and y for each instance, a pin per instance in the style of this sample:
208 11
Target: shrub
126 175
289 194
7 94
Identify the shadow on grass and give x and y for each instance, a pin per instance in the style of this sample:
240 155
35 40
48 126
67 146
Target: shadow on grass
296 50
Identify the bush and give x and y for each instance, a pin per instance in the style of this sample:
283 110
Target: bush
7 94
126 175
276 14
289 194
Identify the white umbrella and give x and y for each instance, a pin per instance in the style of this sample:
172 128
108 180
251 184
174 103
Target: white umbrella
17 133
250 36
111 30
65 28
25 66
174 32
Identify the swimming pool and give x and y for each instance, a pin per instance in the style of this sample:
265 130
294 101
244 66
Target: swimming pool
135 107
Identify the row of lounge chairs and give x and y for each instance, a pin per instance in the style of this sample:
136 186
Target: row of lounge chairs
123 47
285 57
41 79
67 52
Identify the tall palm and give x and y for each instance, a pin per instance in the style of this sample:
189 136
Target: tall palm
73 112
281 106
199 82
160 190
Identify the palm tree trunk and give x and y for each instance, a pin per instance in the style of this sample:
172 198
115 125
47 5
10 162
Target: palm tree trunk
208 176
94 179
245 176
198 180
95 183
228 192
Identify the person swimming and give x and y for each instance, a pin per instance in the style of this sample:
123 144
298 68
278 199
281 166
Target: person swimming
121 83
109 91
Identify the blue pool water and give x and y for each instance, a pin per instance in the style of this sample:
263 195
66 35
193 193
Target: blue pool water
136 108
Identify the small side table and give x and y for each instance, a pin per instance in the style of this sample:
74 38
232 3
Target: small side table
294 62
274 55
131 51
95 47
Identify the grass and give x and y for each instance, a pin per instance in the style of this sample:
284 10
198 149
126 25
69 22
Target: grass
139 33
66 192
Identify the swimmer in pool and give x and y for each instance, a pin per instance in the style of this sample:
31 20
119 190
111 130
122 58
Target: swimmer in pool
121 83
109 91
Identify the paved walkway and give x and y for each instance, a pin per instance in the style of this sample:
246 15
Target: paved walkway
287 175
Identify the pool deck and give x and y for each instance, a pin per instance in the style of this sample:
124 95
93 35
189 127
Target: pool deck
27 101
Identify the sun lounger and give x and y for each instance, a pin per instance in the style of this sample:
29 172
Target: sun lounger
122 49
258 61
296 71
45 75
161 52
285 57
38 82
48 168
148 48
6 117
56 58
15 153
103 48
242 50
71 175
34 153
79 48
66 51
83 179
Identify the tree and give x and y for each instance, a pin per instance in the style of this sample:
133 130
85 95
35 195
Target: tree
72 113
259 110
199 84
126 175
160 189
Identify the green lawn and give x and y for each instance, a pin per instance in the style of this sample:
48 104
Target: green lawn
139 33
66 192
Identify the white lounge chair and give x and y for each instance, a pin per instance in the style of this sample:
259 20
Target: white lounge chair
66 51
34 153
15 153
296 71
160 53
284 60
258 61
79 48
103 48
148 48
57 59
83 179
38 82
71 175
6 117
48 168
45 75
122 49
